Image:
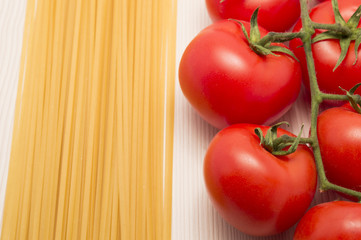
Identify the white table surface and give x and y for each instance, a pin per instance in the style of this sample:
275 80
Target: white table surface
193 215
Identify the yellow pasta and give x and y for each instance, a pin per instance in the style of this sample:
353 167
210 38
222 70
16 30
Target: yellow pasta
93 131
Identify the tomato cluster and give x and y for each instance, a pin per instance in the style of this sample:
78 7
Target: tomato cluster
262 179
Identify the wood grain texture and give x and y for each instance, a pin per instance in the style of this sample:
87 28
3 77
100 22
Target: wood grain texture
12 16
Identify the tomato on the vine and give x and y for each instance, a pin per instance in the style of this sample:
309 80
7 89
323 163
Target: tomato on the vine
228 83
274 15
331 221
253 190
327 52
339 136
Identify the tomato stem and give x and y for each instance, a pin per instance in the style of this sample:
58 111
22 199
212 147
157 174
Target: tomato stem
338 30
344 30
290 139
317 97
336 97
279 37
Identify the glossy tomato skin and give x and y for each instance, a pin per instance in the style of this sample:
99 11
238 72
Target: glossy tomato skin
274 15
228 83
339 136
338 220
327 52
256 192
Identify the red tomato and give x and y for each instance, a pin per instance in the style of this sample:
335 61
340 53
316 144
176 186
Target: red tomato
339 135
331 221
274 15
227 83
327 52
253 190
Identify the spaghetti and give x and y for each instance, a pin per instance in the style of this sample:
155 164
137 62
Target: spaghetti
92 142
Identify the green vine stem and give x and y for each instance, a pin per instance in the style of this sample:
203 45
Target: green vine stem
317 96
279 37
333 27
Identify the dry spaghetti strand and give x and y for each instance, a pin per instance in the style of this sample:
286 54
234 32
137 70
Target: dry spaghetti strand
92 142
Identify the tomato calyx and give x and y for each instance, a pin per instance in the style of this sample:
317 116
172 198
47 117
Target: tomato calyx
343 31
354 99
277 145
259 45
